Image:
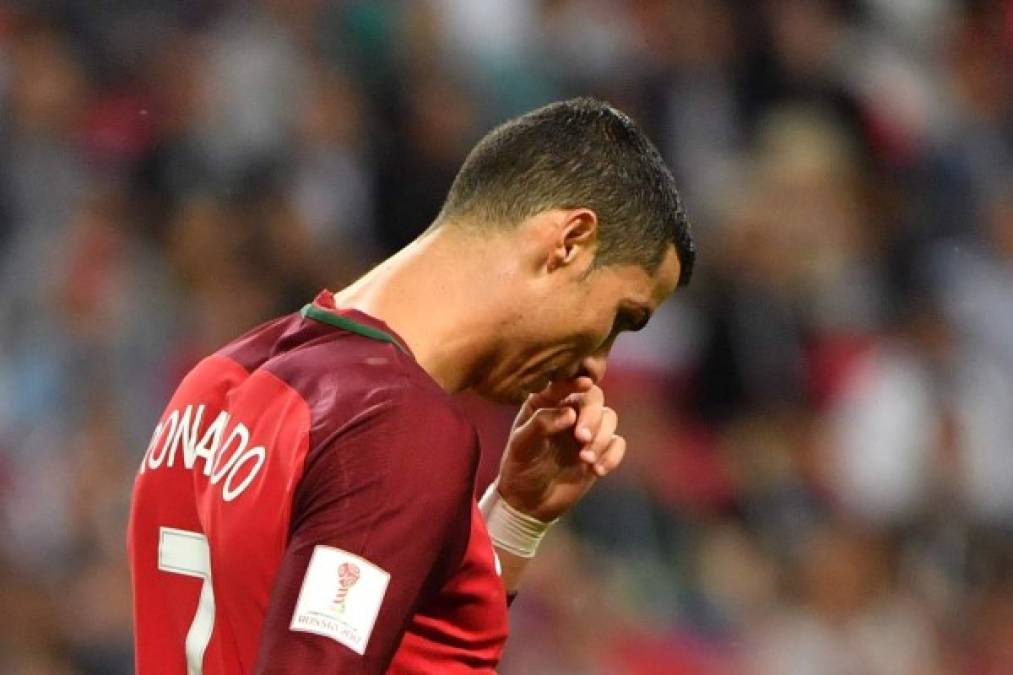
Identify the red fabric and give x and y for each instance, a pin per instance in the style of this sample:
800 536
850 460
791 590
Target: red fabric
456 633
362 452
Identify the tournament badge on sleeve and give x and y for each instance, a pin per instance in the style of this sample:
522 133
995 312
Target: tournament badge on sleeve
340 597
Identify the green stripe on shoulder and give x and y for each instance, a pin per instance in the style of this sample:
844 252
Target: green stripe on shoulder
343 322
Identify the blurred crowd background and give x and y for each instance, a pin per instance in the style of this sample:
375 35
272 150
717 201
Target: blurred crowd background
820 478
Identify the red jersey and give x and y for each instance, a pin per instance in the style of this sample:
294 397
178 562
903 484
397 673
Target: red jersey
306 504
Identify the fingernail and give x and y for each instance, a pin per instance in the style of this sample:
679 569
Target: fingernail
584 433
599 469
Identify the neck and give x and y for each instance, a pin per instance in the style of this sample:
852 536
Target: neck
435 293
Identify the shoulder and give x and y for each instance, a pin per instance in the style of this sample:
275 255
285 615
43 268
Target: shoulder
393 441
356 388
347 374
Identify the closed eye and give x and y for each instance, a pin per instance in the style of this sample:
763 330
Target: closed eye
640 321
630 320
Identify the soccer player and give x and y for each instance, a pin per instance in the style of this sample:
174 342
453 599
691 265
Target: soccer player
306 503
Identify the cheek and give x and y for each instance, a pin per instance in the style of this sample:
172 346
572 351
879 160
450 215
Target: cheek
544 342
577 340
599 334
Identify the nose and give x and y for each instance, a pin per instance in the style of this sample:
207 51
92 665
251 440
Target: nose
594 366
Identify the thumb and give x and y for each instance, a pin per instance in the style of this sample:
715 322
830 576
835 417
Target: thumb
543 423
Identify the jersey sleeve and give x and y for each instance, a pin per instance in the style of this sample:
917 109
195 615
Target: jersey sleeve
380 521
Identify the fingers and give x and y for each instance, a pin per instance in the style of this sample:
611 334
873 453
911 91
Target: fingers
579 404
552 396
612 457
543 423
585 411
606 431
590 405
604 434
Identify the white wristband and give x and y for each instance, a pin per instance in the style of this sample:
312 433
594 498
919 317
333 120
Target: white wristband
508 528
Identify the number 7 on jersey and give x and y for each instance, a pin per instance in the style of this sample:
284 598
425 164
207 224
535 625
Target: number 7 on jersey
187 553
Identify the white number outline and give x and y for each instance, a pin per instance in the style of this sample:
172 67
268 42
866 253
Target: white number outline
188 553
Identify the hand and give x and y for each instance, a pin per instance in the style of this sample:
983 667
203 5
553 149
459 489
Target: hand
562 441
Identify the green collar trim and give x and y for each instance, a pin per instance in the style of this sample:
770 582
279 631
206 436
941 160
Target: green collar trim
311 311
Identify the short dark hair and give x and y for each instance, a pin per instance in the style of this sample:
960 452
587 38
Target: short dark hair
578 153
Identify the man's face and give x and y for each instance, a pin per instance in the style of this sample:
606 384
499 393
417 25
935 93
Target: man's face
567 326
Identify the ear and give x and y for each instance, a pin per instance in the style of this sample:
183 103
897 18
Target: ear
574 240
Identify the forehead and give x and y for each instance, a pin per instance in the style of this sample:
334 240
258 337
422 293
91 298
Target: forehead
666 277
